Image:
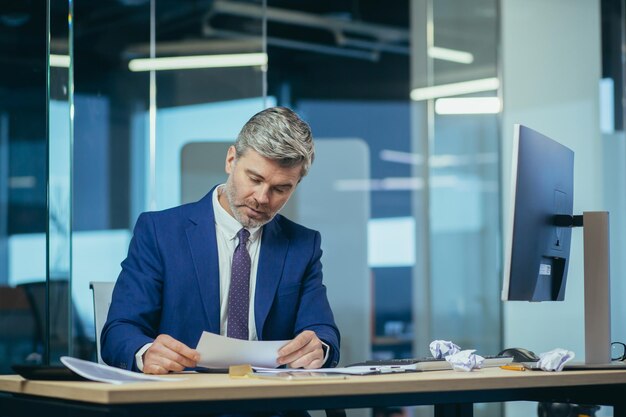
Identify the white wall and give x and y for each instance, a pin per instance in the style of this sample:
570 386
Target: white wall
614 171
551 70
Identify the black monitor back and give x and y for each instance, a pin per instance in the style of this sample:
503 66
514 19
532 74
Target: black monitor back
538 250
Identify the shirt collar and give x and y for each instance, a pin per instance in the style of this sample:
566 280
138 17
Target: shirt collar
227 223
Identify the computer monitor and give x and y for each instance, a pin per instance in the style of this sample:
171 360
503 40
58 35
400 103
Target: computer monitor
538 249
539 235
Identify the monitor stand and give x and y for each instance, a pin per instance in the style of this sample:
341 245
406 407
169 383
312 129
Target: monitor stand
597 294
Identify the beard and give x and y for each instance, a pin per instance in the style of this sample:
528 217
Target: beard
239 207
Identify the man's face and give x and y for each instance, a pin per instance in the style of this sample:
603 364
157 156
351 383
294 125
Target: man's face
257 187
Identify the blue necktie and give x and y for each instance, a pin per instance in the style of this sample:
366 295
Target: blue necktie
239 292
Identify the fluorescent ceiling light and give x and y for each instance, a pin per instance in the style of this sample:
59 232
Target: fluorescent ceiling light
455 89
439 161
468 105
60 61
23 182
415 184
384 184
453 55
198 61
401 157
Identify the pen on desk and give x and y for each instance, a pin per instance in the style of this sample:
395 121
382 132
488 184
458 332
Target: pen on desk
513 367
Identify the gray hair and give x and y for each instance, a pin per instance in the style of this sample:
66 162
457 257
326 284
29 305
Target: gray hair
278 133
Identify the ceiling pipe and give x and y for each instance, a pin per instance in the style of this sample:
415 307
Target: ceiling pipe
381 32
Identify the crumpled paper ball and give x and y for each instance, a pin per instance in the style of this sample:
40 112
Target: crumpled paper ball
465 360
443 348
555 359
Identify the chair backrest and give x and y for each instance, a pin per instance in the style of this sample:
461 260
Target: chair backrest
56 315
52 309
102 293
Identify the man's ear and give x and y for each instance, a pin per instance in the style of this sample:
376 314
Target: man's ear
231 155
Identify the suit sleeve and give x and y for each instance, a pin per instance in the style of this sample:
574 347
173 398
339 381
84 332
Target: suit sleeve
135 310
314 311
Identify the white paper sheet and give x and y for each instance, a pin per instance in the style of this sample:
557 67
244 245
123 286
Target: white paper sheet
221 352
104 373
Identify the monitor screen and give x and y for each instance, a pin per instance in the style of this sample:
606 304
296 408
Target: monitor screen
537 252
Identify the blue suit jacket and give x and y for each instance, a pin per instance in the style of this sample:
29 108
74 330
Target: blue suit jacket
170 284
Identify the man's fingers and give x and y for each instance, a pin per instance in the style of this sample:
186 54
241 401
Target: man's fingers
311 360
297 343
162 361
172 356
172 361
178 347
171 365
154 368
168 354
313 346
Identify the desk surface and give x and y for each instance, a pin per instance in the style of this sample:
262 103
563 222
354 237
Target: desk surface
214 387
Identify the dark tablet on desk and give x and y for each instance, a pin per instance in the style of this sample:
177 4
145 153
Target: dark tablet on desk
212 370
581 366
47 373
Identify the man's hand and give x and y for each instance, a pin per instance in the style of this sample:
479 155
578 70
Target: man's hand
168 354
305 351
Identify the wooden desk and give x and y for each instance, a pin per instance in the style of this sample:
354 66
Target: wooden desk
451 393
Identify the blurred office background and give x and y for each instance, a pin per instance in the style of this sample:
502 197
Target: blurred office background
412 105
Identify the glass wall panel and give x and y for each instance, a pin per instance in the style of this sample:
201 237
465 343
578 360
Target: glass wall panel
142 137
23 179
63 337
464 174
345 68
134 116
106 95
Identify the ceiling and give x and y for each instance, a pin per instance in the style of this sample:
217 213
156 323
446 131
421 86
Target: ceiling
340 49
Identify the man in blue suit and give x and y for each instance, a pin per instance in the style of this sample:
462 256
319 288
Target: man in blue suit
227 264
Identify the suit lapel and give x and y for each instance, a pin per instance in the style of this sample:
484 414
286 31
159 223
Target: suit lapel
271 260
203 246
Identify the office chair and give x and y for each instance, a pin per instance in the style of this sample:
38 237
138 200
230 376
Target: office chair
57 317
17 327
102 293
547 409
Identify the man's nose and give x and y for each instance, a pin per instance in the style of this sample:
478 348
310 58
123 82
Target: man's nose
262 195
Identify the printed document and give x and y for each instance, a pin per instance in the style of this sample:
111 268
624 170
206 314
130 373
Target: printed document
221 352
104 373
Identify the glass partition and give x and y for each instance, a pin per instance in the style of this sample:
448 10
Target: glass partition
139 89
80 156
432 187
464 175
23 180
151 77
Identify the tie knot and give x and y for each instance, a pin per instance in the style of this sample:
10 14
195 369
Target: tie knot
243 236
